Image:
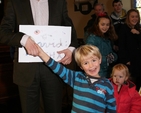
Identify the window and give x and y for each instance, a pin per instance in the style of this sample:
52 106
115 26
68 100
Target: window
137 5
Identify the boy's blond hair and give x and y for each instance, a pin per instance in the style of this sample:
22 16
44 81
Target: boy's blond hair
121 67
86 50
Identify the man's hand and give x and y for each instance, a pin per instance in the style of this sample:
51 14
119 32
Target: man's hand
67 58
31 47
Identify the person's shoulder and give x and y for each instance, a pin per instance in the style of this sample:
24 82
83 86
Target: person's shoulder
91 35
131 85
107 82
93 16
131 88
124 11
113 15
123 16
110 79
94 37
80 75
109 86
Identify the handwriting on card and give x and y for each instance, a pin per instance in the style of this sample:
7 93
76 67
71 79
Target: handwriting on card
50 38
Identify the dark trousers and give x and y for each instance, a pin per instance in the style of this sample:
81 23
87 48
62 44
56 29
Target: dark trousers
51 87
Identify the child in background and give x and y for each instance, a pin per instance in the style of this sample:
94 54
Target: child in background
92 93
127 97
103 35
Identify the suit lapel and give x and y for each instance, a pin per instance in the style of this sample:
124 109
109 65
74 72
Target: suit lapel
27 11
52 8
50 2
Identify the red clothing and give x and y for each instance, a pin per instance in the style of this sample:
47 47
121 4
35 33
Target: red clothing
128 99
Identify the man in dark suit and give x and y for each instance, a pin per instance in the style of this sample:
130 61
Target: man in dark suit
33 77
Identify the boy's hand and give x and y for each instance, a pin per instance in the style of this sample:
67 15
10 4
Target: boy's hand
110 58
42 54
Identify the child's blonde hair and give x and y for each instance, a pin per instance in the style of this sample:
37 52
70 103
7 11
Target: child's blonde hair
86 50
120 67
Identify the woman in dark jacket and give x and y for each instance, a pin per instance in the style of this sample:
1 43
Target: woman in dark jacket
130 45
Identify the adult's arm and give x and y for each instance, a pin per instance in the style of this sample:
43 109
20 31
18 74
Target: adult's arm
8 27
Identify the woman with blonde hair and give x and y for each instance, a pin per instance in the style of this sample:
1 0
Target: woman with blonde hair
130 45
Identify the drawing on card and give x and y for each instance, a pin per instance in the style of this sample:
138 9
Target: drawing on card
50 38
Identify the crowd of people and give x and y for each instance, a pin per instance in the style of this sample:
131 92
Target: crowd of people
125 25
121 35
109 60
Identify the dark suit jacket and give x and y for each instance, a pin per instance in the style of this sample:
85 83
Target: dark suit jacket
18 12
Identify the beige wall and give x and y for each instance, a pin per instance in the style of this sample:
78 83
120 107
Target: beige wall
127 4
80 20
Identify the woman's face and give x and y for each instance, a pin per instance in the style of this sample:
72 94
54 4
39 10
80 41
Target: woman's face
133 18
104 24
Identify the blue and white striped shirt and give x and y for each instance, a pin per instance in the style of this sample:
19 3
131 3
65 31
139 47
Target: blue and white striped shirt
87 97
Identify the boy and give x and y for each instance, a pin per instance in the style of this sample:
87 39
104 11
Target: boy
92 93
118 17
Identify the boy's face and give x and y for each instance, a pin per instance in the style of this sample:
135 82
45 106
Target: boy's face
118 7
91 65
119 77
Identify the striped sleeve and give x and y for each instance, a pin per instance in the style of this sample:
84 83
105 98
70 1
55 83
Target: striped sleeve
67 75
